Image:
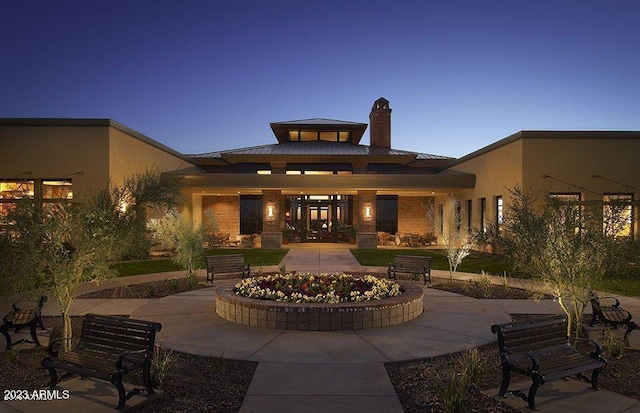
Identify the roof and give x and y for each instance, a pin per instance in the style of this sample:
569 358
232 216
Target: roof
317 151
280 129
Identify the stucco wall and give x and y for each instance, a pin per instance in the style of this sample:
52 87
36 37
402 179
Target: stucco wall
129 156
57 152
496 172
575 161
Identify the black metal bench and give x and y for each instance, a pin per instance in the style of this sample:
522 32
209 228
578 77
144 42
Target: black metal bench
226 264
411 264
539 348
108 349
24 314
607 310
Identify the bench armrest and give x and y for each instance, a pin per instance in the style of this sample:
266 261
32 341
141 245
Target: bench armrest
123 356
597 347
50 347
617 302
535 363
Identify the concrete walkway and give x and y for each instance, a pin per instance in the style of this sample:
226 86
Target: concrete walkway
340 371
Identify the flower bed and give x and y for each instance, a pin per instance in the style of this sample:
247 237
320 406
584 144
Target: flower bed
321 316
323 288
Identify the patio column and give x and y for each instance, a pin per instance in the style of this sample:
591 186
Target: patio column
366 237
271 235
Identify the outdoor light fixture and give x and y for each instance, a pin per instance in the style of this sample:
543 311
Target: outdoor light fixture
367 212
270 212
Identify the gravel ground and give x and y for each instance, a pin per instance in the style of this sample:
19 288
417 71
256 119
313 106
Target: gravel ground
195 383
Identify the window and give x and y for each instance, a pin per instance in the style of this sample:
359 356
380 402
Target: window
573 201
441 218
387 213
499 213
483 214
617 215
250 214
313 135
469 214
50 192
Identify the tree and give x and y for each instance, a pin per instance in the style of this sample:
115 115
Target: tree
56 247
447 225
176 232
558 242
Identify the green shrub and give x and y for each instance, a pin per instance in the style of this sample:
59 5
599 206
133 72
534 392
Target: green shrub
162 361
484 285
613 344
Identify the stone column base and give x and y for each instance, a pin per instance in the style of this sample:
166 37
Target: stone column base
367 240
271 240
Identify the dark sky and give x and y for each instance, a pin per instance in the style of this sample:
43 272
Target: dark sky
200 76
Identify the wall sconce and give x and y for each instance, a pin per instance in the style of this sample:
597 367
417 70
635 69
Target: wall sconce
271 212
368 211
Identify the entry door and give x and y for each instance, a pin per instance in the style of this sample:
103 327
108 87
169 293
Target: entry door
318 223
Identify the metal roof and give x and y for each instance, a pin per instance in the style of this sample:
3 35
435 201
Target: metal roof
316 149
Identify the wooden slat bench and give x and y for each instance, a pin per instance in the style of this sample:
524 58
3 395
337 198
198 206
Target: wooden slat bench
411 264
24 314
108 348
226 264
607 310
539 348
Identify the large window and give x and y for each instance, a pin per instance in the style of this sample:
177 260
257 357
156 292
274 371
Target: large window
617 215
469 214
250 214
387 213
46 191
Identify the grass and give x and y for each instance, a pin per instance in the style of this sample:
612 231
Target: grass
253 256
629 286
476 262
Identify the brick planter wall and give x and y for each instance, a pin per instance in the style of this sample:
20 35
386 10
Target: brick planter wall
320 317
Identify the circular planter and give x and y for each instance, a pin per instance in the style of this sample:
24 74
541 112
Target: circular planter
320 316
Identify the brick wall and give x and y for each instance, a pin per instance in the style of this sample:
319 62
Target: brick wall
411 215
227 212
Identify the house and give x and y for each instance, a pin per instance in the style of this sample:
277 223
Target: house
317 180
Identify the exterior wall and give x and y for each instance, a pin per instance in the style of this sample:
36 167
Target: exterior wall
576 161
411 215
57 152
129 156
496 172
227 213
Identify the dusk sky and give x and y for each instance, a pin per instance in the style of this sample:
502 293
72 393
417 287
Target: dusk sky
202 76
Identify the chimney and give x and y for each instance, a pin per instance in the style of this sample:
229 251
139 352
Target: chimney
380 124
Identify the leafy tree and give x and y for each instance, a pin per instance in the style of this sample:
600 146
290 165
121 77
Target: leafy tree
176 232
57 247
447 225
558 242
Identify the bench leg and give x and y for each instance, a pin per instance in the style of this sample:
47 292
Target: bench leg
32 330
146 377
594 378
116 380
632 326
532 392
4 330
52 375
506 378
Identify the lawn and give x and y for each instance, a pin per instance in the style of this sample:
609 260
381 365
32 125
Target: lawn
476 262
490 264
254 256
